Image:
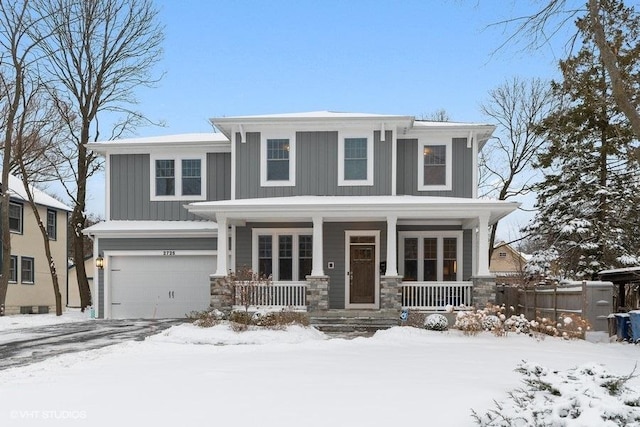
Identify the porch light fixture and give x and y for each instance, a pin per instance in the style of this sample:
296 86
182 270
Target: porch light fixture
100 263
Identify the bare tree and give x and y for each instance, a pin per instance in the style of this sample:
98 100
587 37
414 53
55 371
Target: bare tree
439 115
101 51
17 78
613 27
506 161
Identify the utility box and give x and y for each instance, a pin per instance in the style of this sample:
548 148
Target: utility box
597 304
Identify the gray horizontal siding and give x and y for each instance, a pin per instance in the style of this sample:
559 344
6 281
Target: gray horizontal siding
131 187
316 167
462 172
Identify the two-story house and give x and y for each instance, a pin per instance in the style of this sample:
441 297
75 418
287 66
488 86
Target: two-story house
341 210
30 285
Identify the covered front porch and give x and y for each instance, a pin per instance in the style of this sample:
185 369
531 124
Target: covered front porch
355 253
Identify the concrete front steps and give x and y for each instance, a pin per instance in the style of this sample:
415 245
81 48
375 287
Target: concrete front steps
349 321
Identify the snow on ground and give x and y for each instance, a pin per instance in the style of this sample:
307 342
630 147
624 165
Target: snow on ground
187 375
21 321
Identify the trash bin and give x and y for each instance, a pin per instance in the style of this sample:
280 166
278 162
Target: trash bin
634 318
623 326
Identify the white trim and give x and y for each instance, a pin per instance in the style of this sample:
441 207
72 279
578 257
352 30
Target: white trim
342 135
107 192
347 263
425 142
289 135
474 170
295 254
394 163
107 255
178 158
233 165
96 281
439 235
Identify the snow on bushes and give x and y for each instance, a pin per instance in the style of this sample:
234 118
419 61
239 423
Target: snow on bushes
436 322
586 395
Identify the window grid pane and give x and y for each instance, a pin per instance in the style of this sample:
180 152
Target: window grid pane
410 259
165 178
450 262
15 217
191 177
51 224
285 257
355 158
265 257
430 261
13 269
435 161
305 252
277 160
26 270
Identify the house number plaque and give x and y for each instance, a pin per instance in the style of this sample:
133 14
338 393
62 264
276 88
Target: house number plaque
168 253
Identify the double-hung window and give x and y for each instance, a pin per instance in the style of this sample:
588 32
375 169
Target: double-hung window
431 256
15 217
52 224
434 166
277 166
13 269
27 269
178 178
355 160
283 255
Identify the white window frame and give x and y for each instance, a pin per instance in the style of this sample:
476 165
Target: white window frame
342 182
177 159
275 253
440 236
448 143
53 224
291 136
21 230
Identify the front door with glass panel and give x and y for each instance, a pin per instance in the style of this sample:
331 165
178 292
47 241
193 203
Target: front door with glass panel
362 274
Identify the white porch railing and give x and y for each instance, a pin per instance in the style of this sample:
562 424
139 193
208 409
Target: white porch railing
271 296
435 296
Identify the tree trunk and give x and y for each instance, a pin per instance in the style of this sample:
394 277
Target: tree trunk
78 221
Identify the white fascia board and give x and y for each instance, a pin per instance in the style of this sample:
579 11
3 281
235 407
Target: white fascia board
481 132
151 229
122 147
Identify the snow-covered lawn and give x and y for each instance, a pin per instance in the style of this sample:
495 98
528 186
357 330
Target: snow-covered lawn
192 376
20 321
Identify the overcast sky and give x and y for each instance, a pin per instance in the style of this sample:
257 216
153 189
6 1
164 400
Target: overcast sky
225 58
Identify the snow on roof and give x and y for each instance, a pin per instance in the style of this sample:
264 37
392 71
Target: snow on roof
620 270
181 138
430 123
314 115
19 192
149 227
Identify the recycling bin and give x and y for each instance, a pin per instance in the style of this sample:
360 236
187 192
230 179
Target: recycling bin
634 319
624 326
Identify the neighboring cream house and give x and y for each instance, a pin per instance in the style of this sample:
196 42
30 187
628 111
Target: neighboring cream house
30 285
507 264
73 291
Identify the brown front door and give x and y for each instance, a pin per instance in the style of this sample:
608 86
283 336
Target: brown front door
362 274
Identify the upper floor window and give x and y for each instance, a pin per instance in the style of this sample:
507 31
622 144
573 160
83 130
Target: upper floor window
177 178
52 224
283 255
434 166
15 217
277 165
502 254
355 160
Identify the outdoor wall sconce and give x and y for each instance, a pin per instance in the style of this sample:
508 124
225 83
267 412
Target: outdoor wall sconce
100 263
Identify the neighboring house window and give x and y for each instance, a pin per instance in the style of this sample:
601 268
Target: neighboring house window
15 217
52 224
277 164
165 178
26 269
13 269
431 256
434 166
179 178
502 254
285 255
355 160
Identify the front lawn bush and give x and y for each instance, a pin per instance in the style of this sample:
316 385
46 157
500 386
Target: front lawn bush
436 322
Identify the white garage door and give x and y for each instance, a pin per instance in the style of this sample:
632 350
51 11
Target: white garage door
154 287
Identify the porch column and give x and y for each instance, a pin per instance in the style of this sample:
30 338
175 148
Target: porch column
223 251
392 257
483 246
317 268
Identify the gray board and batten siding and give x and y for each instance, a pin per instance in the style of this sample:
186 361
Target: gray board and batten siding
131 187
334 249
316 167
159 244
462 172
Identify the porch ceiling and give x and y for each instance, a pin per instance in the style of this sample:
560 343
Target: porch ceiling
350 208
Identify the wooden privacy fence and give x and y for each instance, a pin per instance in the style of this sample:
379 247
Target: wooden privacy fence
592 301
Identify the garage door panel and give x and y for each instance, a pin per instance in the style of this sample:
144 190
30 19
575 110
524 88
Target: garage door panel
160 287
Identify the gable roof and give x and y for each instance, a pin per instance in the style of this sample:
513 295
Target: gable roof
19 192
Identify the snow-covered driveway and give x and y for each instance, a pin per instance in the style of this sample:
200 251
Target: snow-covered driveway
23 346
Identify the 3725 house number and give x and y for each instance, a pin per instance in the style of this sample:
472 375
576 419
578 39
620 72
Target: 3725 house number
168 253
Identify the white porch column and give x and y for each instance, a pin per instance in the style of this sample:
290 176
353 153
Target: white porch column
223 251
317 268
483 246
392 263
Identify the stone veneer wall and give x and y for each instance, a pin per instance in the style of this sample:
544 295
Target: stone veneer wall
391 293
221 294
484 291
317 293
